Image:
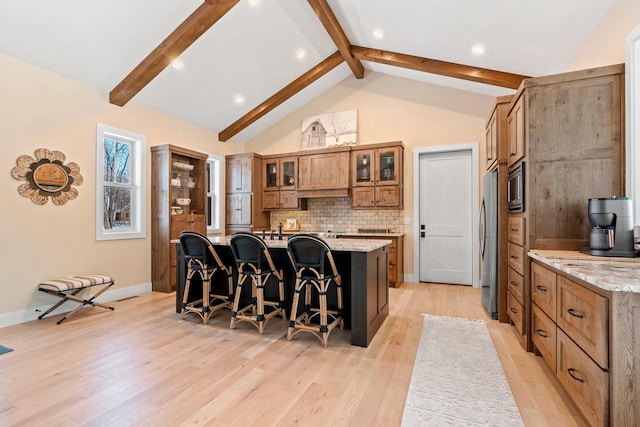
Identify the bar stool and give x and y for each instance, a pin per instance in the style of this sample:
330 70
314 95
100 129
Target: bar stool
203 261
254 262
315 271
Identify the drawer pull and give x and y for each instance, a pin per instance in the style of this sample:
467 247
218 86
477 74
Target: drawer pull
571 371
574 313
513 310
542 333
541 288
514 283
514 257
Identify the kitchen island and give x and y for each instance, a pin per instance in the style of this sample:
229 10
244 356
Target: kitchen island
586 325
363 265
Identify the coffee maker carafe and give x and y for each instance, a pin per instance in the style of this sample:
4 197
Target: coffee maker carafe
611 234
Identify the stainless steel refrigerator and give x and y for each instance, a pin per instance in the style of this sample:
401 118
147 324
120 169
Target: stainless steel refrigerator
489 243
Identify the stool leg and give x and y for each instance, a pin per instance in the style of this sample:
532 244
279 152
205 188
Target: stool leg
338 282
283 312
236 300
324 329
206 291
294 308
185 294
260 304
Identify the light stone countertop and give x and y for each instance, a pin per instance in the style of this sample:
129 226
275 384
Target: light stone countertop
340 244
608 273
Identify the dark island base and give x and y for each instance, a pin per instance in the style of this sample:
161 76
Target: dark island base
365 280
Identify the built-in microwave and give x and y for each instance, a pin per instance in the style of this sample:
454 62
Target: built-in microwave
515 189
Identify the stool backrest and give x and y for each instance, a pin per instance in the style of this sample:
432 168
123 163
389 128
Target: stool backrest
247 248
195 246
309 251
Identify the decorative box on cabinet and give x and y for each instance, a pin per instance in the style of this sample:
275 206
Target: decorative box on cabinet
176 172
244 194
377 177
280 183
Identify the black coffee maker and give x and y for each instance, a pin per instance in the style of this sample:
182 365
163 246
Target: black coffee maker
612 223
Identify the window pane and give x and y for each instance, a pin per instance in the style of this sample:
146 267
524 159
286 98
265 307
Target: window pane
117 208
117 157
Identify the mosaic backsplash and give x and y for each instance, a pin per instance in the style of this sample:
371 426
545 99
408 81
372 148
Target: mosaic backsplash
335 214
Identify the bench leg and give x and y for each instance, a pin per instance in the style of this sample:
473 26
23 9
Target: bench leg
72 297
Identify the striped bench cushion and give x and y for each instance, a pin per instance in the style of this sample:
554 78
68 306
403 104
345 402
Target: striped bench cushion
75 282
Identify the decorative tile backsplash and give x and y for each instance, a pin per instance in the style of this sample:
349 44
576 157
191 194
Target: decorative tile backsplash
335 214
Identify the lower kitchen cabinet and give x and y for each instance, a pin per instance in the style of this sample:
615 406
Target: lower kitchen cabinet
396 255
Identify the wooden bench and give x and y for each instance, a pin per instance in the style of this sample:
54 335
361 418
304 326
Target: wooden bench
69 287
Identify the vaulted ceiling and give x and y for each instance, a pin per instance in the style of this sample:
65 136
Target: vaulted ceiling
249 63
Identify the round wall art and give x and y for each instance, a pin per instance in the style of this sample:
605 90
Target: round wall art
47 176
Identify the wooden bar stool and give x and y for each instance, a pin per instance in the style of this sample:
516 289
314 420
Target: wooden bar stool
315 271
254 262
203 261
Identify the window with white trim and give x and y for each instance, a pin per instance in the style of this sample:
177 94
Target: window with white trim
120 184
213 194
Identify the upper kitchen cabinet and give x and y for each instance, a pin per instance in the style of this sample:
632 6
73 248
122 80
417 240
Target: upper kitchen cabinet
178 203
377 177
324 173
496 133
574 137
515 122
280 183
244 193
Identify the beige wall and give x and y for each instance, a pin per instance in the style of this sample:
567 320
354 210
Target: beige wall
606 45
39 109
392 109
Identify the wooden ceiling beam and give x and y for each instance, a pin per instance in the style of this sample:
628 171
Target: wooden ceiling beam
282 95
434 66
331 24
173 46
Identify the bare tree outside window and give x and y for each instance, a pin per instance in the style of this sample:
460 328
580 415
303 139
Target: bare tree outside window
117 185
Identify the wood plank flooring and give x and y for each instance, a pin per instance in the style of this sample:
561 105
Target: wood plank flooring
141 365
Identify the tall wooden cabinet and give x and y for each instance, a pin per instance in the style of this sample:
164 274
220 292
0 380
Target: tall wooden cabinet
496 160
244 193
569 130
176 173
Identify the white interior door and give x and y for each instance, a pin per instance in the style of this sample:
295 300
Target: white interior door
446 217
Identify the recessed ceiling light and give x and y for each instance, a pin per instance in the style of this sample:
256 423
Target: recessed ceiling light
177 64
301 54
254 2
477 49
378 34
238 99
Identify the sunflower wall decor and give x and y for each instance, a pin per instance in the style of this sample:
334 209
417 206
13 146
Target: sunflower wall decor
47 176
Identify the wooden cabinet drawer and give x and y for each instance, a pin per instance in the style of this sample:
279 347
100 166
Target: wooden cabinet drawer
584 316
516 312
516 257
516 232
543 334
543 289
515 284
584 381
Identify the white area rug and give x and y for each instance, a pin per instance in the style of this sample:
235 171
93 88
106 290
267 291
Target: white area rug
457 378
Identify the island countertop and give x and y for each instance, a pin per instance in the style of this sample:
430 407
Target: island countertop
607 273
339 244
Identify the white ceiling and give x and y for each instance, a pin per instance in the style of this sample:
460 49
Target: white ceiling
251 50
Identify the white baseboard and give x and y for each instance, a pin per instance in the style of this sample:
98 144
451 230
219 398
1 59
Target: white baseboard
29 314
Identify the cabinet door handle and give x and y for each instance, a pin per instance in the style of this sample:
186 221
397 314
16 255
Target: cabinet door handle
541 288
542 333
574 313
570 371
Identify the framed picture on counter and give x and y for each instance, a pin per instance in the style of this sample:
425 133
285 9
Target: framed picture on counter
291 224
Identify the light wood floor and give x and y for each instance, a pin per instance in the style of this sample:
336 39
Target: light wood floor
141 365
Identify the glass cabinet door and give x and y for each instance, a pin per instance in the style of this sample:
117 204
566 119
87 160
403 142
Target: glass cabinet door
363 165
288 173
271 174
387 164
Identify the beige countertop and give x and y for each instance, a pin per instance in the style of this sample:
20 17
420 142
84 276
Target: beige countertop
340 244
608 273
